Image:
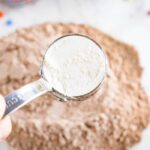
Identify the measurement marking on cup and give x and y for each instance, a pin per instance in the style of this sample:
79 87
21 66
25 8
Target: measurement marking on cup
13 100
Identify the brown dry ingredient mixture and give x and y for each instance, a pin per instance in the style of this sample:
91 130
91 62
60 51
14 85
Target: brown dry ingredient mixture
112 119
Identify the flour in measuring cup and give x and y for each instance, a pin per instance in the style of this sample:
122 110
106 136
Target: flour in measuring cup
74 65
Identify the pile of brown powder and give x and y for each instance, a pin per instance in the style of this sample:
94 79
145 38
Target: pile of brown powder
112 119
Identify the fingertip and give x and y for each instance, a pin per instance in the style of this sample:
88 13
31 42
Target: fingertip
5 127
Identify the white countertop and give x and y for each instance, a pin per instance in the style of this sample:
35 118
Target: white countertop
126 20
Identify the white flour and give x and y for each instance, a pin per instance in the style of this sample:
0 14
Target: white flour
74 65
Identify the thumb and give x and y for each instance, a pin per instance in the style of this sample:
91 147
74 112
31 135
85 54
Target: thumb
2 106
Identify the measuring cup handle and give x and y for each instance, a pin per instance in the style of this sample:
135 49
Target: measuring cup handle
25 94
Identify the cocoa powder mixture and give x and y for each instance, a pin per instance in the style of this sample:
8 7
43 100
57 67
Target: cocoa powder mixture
112 119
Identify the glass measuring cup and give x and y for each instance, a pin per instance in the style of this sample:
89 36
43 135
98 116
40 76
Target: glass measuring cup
77 78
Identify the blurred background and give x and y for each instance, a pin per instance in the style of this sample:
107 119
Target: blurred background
126 20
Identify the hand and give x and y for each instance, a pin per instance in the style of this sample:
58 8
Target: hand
5 123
